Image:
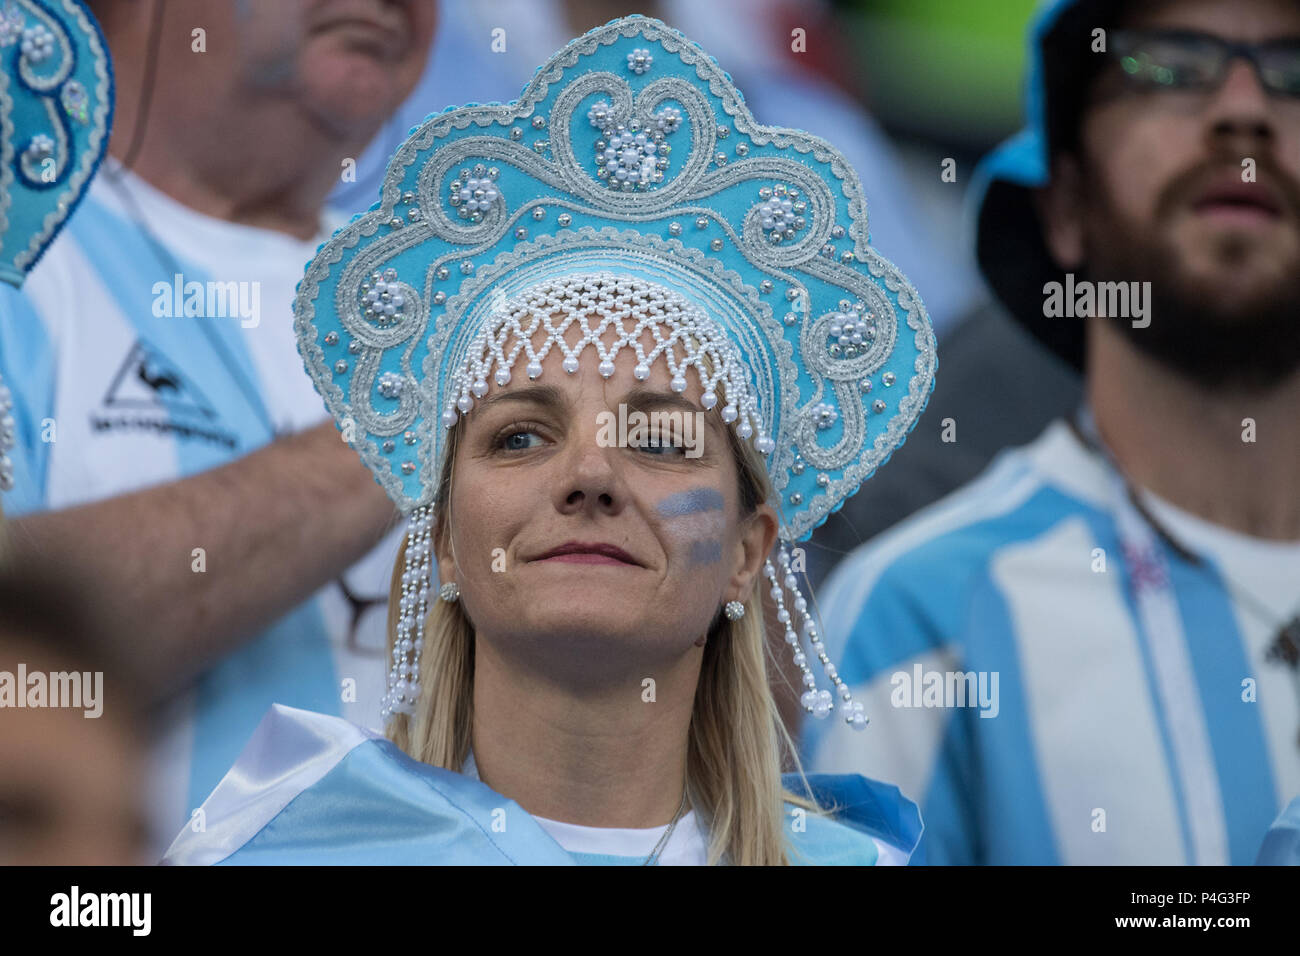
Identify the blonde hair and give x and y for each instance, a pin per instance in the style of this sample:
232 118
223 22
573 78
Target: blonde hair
736 739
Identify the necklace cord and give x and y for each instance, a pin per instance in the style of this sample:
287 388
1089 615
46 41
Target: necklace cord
1282 647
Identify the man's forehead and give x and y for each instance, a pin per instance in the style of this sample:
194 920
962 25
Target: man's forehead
1244 20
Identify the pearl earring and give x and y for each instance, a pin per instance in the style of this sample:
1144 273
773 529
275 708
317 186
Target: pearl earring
449 592
734 610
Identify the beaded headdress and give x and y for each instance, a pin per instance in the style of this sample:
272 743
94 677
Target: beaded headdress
56 104
627 190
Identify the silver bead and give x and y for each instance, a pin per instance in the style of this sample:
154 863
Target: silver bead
733 610
340 367
674 229
878 406
564 219
702 223
331 338
888 378
443 272
539 213
765 286
389 446
539 122
716 245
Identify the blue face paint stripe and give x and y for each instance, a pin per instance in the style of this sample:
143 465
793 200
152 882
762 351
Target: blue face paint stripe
706 552
691 502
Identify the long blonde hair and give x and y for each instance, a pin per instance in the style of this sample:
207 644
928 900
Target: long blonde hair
737 738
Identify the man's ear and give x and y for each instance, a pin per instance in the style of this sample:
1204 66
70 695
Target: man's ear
1060 209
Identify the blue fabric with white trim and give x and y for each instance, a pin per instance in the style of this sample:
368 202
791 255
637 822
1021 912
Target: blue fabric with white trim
1021 575
1282 844
56 108
310 789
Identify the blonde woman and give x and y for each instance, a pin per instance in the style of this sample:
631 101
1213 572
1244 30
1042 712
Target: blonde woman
602 348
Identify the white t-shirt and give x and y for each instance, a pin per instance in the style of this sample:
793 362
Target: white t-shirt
688 845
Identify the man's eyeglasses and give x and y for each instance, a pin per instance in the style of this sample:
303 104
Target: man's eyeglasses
1186 60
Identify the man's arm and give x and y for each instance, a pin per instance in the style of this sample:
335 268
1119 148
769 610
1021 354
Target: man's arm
275 526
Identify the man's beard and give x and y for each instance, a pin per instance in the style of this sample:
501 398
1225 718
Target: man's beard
1246 343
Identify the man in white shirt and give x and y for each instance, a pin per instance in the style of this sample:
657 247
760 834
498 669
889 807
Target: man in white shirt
1089 654
168 441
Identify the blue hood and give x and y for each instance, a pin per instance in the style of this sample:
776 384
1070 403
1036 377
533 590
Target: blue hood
1008 237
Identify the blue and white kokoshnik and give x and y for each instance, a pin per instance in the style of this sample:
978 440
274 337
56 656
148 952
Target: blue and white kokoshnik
56 105
628 190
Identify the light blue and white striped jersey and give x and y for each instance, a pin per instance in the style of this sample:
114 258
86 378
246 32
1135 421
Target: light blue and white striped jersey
123 376
1076 744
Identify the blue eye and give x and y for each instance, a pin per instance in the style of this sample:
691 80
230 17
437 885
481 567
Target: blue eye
665 445
518 440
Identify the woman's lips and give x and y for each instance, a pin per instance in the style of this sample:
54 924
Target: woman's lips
587 557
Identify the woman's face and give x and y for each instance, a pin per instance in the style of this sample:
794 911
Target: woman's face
570 530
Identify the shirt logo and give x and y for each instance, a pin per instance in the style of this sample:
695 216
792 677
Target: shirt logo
150 393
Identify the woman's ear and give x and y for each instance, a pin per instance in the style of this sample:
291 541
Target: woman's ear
757 535
1060 207
443 552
